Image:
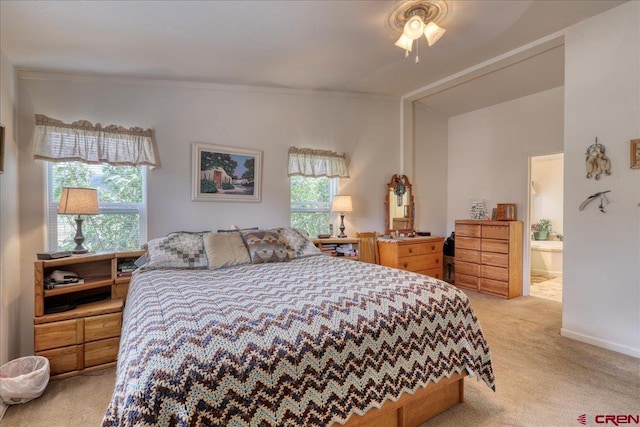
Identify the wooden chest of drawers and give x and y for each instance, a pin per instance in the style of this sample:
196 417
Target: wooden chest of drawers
488 257
418 254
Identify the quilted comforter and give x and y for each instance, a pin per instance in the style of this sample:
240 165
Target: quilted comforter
301 343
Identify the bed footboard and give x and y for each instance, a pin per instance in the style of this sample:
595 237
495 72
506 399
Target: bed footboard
412 410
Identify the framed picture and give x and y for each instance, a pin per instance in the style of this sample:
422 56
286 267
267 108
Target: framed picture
1 148
226 174
635 154
506 212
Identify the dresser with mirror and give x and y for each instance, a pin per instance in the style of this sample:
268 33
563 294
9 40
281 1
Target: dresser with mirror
400 248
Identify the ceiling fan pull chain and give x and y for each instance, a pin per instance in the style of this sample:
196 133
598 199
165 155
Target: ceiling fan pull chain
417 51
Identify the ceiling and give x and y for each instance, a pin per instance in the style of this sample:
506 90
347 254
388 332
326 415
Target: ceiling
333 45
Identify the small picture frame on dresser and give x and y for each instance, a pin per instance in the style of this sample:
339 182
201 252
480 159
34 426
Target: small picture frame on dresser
506 212
635 154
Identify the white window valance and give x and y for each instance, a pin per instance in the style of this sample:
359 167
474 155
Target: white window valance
81 141
315 163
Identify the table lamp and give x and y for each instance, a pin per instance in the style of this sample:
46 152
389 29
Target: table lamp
341 204
78 201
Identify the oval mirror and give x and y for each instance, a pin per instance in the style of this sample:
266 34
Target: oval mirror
399 205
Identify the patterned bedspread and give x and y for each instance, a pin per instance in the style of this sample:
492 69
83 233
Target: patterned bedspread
300 343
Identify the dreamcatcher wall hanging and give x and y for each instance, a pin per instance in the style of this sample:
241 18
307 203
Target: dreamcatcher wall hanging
597 161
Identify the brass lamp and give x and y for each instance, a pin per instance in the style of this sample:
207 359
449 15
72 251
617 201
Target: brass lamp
342 204
78 201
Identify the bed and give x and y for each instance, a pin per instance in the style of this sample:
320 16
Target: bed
307 340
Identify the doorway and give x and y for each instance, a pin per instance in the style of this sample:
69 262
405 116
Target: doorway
546 207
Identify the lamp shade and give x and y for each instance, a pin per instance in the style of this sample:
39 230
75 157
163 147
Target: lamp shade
341 204
404 42
78 201
414 28
433 32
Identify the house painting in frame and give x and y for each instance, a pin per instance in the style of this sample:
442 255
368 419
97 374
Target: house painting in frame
226 173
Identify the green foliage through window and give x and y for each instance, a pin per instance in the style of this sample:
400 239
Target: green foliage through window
121 201
311 203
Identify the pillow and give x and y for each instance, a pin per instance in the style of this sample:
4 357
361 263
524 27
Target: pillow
265 246
142 260
177 250
225 250
297 242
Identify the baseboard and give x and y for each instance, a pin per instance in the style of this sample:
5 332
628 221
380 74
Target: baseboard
630 351
546 272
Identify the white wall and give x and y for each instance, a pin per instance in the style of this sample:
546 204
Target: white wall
547 174
489 151
10 284
365 127
430 171
602 251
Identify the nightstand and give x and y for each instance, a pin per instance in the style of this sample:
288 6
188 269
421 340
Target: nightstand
330 245
77 325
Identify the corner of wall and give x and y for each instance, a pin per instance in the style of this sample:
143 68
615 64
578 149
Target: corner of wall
10 287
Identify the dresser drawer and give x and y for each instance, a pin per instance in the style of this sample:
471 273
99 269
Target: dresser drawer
499 246
495 232
467 255
491 258
419 249
497 287
57 334
101 352
420 262
434 272
467 268
415 249
496 273
101 327
467 282
467 243
468 230
65 359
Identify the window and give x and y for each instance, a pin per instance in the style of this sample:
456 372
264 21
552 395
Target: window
121 194
311 203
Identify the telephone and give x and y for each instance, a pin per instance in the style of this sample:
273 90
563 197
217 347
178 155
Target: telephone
60 277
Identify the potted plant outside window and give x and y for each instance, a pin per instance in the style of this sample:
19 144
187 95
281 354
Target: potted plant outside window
541 229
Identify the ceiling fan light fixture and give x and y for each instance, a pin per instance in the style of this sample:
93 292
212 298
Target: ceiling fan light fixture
433 32
414 28
415 18
405 43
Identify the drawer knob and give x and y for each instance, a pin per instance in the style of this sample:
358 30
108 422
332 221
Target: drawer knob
406 265
410 250
437 261
433 248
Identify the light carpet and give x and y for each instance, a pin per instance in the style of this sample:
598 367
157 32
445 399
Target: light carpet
542 378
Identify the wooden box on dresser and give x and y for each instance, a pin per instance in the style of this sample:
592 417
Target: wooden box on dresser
488 257
418 254
86 337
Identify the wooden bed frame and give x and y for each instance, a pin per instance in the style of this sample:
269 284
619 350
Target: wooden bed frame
412 410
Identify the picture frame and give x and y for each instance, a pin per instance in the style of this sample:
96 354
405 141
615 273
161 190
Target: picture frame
634 154
506 212
225 174
2 132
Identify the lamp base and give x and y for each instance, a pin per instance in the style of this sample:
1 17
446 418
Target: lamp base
79 238
342 235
